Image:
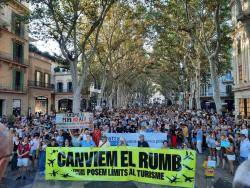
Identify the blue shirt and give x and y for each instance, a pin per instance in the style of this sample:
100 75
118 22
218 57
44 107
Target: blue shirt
245 148
84 143
59 140
211 142
75 142
199 135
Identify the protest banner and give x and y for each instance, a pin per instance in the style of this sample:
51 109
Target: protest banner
148 165
154 140
74 121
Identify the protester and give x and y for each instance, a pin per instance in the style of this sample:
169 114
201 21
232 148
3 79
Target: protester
104 143
122 142
88 142
34 149
59 138
244 148
42 157
231 155
142 142
67 143
75 138
165 144
23 151
53 143
96 135
199 139
199 130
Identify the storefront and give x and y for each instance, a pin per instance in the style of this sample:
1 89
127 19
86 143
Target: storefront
41 104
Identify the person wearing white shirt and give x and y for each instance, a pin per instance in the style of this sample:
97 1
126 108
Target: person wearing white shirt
244 130
104 143
244 148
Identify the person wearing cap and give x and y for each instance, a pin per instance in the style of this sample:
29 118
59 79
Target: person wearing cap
142 142
244 148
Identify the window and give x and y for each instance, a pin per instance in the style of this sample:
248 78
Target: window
17 24
38 78
240 72
17 81
239 45
60 87
46 79
70 86
241 107
244 5
248 108
18 52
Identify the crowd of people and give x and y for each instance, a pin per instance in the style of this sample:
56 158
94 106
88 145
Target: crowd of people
219 136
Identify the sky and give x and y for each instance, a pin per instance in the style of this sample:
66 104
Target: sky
48 46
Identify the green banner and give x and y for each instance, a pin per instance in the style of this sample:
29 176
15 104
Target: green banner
147 165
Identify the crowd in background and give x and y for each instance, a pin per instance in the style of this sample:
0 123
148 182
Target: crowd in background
198 130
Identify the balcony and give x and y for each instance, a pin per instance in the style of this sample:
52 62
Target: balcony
9 88
68 90
41 85
8 58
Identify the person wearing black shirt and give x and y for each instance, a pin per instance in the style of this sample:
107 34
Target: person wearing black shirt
119 129
142 142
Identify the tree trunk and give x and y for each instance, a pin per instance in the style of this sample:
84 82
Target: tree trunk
100 96
76 88
119 96
76 101
198 85
191 97
215 84
111 96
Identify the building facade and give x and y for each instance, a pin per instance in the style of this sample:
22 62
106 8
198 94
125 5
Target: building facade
14 63
39 84
241 58
63 91
226 84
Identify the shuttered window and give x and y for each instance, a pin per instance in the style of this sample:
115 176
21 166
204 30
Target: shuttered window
18 52
17 25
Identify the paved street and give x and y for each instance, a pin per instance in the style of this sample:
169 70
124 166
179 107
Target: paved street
34 180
